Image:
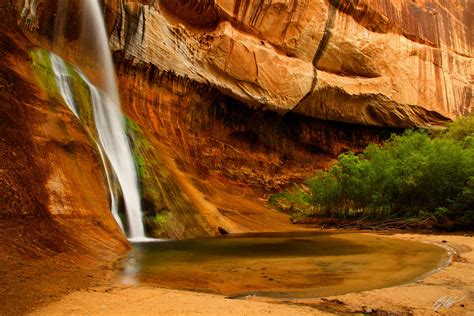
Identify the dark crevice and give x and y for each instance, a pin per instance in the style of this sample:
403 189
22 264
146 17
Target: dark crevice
327 34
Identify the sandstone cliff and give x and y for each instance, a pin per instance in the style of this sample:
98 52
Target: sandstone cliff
259 94
55 225
227 101
239 98
49 168
383 63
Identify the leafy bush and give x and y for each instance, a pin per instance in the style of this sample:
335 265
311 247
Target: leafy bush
411 175
462 130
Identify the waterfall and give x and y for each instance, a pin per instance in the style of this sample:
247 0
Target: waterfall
62 80
110 128
108 118
94 35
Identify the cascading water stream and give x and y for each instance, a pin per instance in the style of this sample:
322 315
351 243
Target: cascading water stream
114 142
94 35
62 80
108 119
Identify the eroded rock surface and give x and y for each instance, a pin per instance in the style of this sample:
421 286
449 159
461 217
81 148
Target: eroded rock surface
236 98
56 230
396 63
384 63
242 98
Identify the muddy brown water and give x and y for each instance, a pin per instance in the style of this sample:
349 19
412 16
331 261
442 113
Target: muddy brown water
289 265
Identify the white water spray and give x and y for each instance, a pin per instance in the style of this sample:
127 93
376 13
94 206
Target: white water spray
109 123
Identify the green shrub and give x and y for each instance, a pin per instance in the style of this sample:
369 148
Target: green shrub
411 175
461 130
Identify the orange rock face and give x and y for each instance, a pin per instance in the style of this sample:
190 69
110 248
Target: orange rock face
382 63
211 76
236 99
49 166
242 98
55 221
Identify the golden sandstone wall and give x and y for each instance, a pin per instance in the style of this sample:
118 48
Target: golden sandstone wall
382 63
242 98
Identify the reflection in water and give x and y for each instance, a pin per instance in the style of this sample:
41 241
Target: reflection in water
131 269
281 265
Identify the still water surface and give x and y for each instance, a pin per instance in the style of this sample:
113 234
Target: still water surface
289 265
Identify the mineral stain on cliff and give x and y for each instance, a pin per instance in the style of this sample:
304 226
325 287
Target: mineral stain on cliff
168 211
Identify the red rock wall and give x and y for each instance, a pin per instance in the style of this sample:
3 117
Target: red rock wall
254 95
412 58
53 197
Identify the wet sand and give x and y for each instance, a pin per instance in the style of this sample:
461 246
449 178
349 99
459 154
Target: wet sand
453 283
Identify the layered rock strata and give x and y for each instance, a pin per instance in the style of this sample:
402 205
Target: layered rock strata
227 156
383 63
241 98
379 63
